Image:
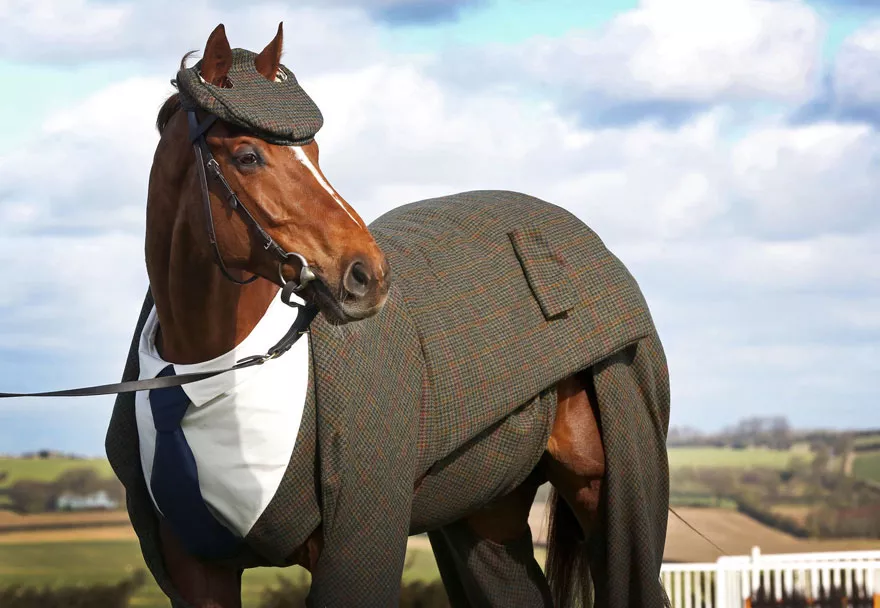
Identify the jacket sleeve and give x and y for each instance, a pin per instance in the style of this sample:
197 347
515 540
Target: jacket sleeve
123 452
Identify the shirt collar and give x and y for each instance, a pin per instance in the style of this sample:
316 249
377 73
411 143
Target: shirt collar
269 330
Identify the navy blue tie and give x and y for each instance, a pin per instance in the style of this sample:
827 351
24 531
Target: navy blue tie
175 480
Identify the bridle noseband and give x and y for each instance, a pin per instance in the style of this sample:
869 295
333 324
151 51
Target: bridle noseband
206 163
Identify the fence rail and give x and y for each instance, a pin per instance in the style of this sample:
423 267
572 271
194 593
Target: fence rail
851 578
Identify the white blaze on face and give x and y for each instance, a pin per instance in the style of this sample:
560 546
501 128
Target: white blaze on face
302 157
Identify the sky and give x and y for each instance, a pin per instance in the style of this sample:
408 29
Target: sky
728 152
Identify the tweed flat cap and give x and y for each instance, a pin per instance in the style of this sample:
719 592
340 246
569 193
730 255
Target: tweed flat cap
279 112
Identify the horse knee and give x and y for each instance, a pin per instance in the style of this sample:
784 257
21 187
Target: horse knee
507 518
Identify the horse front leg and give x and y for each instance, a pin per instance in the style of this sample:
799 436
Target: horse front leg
200 584
487 559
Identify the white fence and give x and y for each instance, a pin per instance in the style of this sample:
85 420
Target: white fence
728 582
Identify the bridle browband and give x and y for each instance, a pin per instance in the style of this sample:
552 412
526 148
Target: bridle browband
205 163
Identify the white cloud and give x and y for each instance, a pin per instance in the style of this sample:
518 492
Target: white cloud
71 292
766 244
33 25
856 72
769 269
666 51
811 179
87 169
688 49
159 32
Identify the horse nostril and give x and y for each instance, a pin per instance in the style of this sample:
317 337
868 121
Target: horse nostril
357 280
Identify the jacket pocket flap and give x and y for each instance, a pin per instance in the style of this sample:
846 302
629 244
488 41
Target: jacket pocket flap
546 271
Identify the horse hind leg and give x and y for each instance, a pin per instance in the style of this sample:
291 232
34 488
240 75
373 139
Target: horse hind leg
574 463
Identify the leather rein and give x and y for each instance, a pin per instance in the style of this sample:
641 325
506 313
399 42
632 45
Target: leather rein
207 165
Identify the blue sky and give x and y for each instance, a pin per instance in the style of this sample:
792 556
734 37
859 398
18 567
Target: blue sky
727 151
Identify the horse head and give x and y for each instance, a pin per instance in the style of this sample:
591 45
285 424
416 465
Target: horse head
253 196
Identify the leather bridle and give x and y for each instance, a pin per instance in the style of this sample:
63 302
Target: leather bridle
206 164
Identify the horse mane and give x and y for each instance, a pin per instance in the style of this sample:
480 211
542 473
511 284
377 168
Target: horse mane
172 104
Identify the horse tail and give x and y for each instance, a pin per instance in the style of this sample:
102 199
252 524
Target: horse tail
568 566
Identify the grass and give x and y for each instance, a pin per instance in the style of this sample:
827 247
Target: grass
700 500
867 466
87 558
91 562
867 440
84 519
728 457
48 469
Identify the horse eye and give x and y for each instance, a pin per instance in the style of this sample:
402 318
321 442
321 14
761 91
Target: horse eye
247 159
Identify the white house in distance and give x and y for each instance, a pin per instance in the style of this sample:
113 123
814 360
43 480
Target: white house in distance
95 500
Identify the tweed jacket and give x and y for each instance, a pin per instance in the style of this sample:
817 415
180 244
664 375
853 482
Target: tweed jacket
445 399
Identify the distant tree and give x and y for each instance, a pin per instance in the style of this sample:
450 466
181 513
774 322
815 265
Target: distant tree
28 496
799 467
79 481
683 435
821 461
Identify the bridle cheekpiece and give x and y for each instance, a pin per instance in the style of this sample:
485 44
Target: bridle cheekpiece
207 165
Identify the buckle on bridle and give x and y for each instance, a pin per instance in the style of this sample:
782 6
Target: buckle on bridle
306 274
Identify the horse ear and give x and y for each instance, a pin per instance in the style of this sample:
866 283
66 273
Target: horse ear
218 57
268 61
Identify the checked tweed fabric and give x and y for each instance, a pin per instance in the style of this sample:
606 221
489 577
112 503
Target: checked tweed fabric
278 112
496 296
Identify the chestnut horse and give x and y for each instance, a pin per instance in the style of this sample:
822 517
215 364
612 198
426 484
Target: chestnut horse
203 314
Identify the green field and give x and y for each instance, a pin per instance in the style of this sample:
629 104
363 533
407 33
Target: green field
89 563
728 457
51 468
48 469
867 466
867 440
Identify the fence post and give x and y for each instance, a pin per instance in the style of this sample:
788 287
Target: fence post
754 571
721 593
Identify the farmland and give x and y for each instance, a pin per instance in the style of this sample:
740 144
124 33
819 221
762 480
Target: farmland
736 533
48 527
867 466
37 469
89 562
867 442
100 547
706 457
103 555
51 468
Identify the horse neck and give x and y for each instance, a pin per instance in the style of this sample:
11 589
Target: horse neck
202 314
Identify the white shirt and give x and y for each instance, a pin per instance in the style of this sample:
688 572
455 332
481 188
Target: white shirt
241 426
